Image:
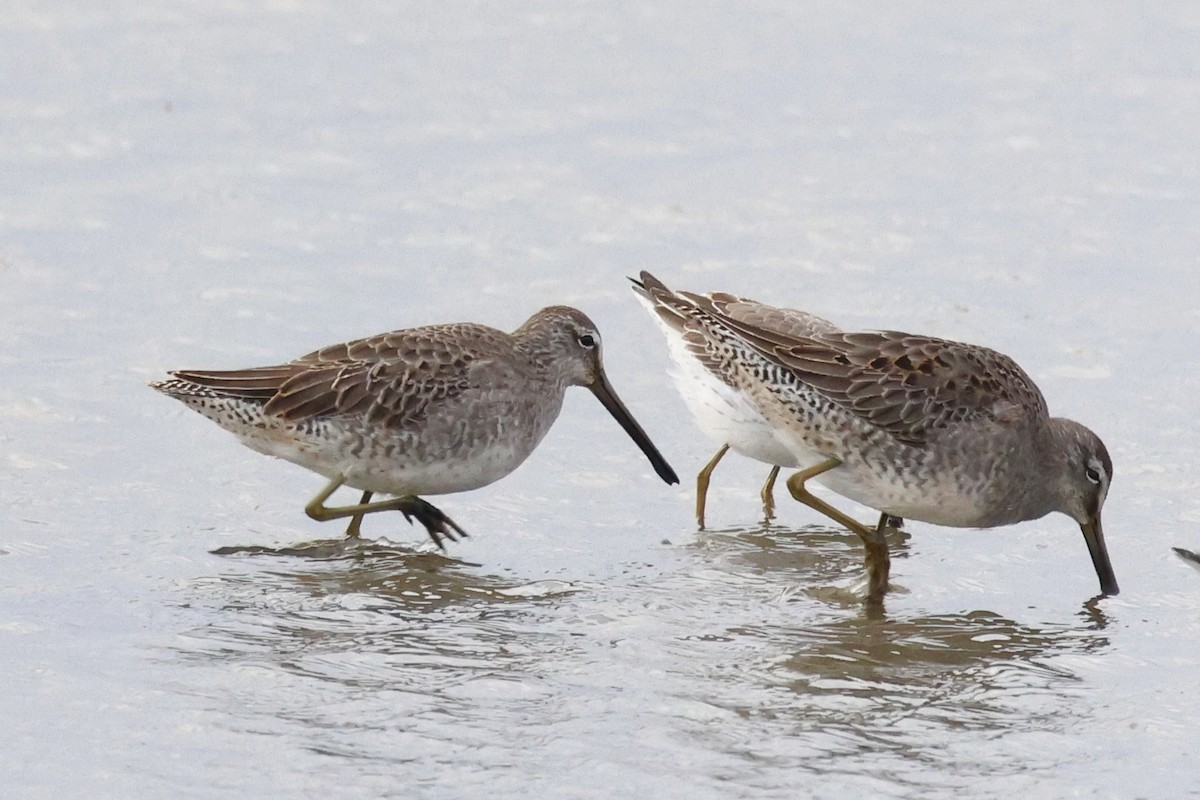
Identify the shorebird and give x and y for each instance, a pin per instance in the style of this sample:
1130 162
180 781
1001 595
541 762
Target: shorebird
423 411
913 426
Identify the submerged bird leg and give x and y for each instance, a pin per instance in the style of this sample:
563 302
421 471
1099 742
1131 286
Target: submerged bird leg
702 483
356 521
878 562
768 492
436 523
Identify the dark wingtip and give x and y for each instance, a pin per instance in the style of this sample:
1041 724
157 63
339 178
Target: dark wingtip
647 284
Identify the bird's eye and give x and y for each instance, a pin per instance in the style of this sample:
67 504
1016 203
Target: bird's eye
586 340
1093 475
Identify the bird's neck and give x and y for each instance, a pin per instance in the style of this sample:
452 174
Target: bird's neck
533 345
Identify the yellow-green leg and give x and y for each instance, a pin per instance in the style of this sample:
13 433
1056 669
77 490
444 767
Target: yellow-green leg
352 530
702 483
878 562
436 523
768 493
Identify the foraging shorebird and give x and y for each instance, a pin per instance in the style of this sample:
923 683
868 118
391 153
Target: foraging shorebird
424 411
913 426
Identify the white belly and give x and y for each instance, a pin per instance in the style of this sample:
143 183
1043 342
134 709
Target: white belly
727 416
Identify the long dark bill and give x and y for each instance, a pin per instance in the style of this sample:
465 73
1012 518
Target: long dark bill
1093 534
605 394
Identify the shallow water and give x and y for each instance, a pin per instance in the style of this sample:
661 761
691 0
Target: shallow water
189 185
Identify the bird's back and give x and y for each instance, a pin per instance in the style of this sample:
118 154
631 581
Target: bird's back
427 410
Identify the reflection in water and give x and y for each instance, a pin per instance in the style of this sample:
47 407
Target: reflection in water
371 637
337 567
737 665
827 563
864 694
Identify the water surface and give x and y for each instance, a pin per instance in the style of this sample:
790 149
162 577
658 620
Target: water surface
190 185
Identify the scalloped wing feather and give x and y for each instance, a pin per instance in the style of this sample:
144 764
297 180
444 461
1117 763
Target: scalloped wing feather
908 385
392 379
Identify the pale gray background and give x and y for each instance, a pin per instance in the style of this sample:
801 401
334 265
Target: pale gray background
197 184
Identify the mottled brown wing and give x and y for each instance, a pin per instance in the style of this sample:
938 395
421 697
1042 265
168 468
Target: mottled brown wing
707 342
787 321
384 393
908 385
682 316
255 385
391 380
676 307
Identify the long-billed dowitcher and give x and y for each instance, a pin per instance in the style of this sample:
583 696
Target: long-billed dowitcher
913 426
423 411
